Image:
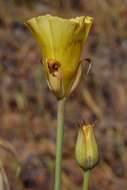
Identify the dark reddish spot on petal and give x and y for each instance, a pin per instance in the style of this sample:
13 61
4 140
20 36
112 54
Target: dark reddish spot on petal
53 66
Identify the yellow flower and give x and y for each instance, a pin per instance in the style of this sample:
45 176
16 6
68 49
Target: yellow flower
61 41
86 150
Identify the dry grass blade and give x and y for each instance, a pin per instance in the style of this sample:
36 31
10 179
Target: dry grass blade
1 182
4 184
8 147
89 100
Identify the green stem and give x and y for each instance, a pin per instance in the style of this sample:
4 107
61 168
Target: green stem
86 180
59 143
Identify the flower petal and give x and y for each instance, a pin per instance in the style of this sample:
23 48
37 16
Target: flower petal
61 40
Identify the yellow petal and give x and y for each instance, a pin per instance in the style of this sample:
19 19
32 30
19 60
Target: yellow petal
62 40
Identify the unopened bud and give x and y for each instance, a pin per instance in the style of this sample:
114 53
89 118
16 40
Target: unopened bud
86 151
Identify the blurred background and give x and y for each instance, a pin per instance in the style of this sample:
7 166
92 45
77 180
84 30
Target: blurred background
28 108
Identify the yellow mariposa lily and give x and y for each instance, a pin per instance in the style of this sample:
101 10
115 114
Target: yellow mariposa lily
61 41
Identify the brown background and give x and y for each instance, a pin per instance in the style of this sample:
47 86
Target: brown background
28 108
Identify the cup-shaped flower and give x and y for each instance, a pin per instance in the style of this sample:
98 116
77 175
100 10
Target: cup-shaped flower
61 41
86 150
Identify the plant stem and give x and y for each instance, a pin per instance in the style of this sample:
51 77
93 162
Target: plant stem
59 143
86 180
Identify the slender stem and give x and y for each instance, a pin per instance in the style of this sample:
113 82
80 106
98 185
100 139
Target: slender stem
86 180
59 143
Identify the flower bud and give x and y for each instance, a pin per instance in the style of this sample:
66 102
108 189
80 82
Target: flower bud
86 150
